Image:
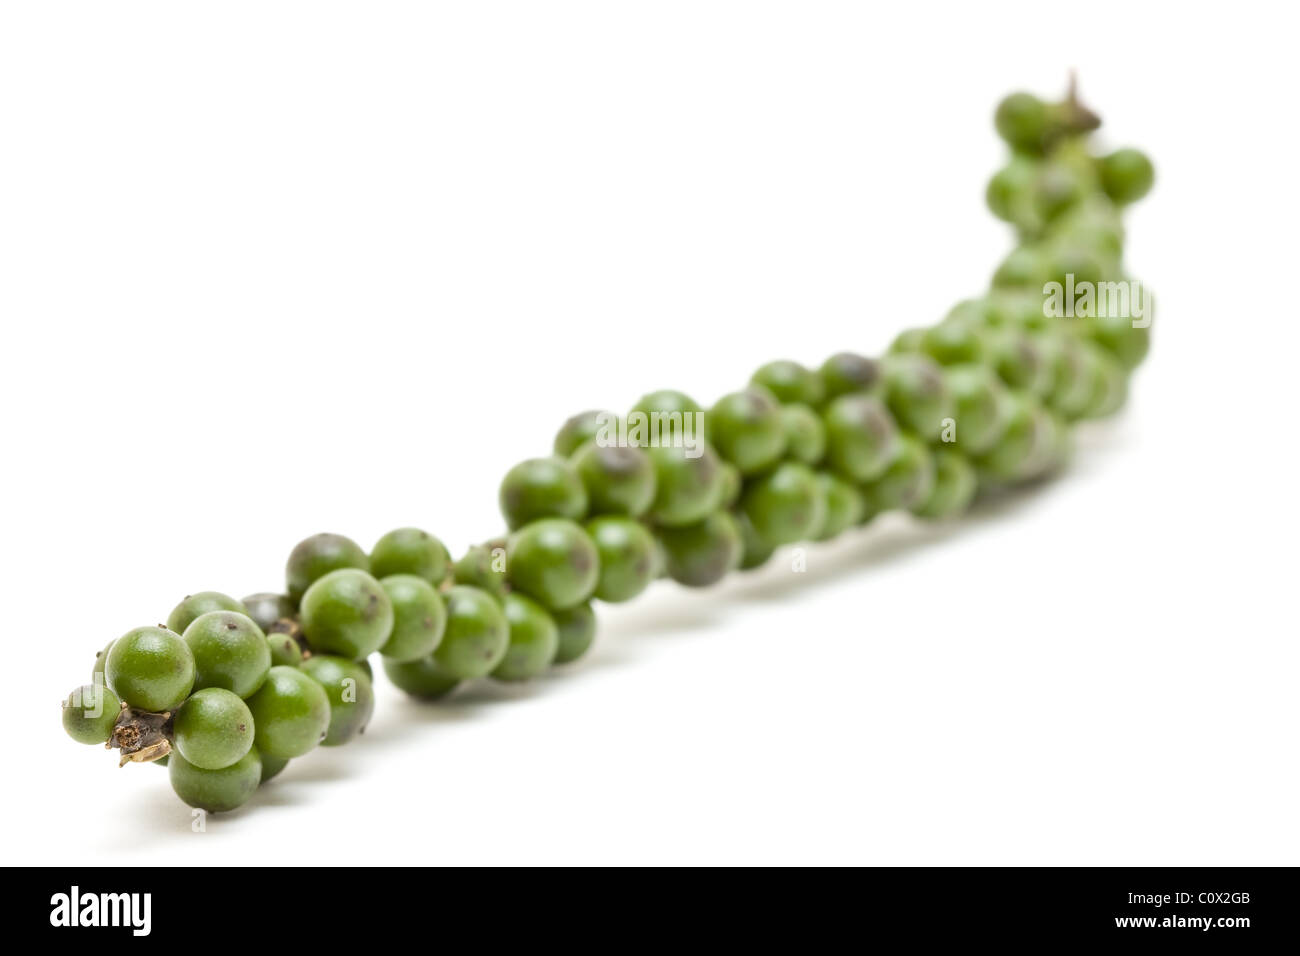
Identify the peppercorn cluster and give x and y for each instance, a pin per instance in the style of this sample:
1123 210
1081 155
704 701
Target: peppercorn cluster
228 691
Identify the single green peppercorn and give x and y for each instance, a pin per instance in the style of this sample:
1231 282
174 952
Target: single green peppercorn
1025 267
484 566
554 561
151 668
1119 336
860 436
953 488
271 766
421 678
101 658
731 485
979 414
216 790
917 394
183 614
747 430
542 488
701 554
1019 362
908 480
1022 444
476 637
213 728
419 617
954 342
90 712
755 552
1025 122
346 612
285 651
845 373
317 556
230 652
626 551
845 505
582 428
791 382
688 483
672 417
1071 374
410 551
577 631
350 692
1010 191
1126 174
908 340
534 640
291 713
619 479
1110 383
805 435
785 505
267 609
1058 187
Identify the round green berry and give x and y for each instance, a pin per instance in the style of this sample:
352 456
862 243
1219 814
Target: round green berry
785 505
1025 122
908 480
1119 336
554 561
410 551
285 651
953 342
747 429
845 373
101 658
315 557
213 728
917 394
534 640
1009 192
860 436
844 505
216 790
978 410
805 435
1019 361
732 483
183 614
619 479
701 554
346 612
577 630
542 488
582 428
291 713
688 483
230 652
1024 267
954 486
1126 174
667 417
1071 374
626 551
420 678
1110 383
267 609
271 766
350 691
1022 444
90 713
476 637
419 617
151 668
483 566
791 382
755 552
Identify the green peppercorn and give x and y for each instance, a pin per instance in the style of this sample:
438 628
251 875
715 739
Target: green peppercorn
701 554
785 505
791 382
908 480
349 690
909 340
534 639
674 417
954 342
183 614
554 561
979 414
845 373
619 479
1021 446
1071 374
101 658
731 484
1025 267
230 652
1118 335
267 609
90 712
484 566
1126 174
860 436
291 713
577 632
755 552
845 505
953 489
214 728
582 428
348 613
285 651
216 790
747 430
420 678
1010 192
688 483
475 639
317 556
1025 122
542 488
1110 383
419 617
410 551
1019 362
805 435
917 394
271 766
150 668
626 552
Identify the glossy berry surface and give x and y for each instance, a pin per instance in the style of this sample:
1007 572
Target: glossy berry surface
216 790
754 551
805 435
688 483
317 556
268 609
476 637
230 652
917 394
582 428
291 713
577 632
410 551
791 382
183 614
860 436
619 479
626 552
151 668
542 488
846 373
213 729
346 612
484 566
350 691
90 712
844 506
785 505
908 480
419 617
747 430
554 561
284 649
701 554
421 678
1127 175
534 640
670 416
978 398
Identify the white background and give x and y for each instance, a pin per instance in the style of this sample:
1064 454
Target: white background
269 269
